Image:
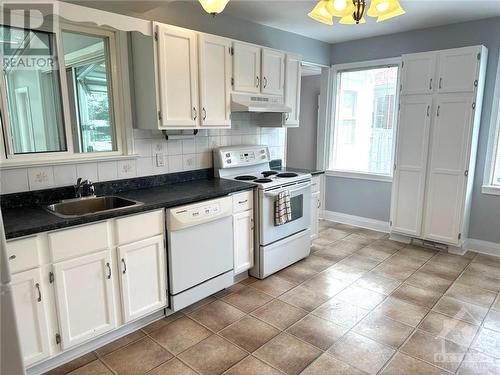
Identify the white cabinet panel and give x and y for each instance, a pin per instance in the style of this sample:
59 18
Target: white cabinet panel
246 67
215 80
418 73
84 294
457 71
292 88
315 206
178 76
31 315
143 277
411 164
243 241
449 155
23 254
273 71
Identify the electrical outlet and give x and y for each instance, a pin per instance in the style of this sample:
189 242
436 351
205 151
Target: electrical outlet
160 160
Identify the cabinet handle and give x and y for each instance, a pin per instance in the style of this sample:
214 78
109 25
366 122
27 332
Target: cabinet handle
428 110
287 116
204 113
241 202
265 82
257 81
37 286
109 270
440 83
195 113
466 173
12 257
319 204
124 266
439 108
430 84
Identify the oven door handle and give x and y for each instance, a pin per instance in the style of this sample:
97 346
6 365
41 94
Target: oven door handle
275 194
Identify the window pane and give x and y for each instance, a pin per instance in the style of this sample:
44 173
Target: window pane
364 121
86 60
33 91
496 171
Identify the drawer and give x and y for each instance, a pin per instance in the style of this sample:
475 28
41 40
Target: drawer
138 227
243 201
316 184
70 243
23 254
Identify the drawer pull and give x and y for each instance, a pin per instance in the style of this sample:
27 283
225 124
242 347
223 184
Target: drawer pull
12 257
241 202
109 270
37 286
124 266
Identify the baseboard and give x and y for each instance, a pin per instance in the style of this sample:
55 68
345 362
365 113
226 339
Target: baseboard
483 247
356 221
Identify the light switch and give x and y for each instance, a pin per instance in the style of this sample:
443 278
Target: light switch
160 160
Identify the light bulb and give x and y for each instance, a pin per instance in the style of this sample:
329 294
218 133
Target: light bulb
339 4
382 7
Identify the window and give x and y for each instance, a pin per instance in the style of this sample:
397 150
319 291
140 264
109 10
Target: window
58 106
364 120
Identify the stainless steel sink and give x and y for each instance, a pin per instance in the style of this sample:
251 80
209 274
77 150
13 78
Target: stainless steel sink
90 206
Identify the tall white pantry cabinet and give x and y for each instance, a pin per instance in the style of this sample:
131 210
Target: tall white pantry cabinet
439 119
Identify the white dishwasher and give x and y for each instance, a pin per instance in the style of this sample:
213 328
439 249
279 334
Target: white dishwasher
200 250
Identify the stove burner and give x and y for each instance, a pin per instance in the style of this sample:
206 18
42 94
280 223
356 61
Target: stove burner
287 174
269 173
263 180
245 178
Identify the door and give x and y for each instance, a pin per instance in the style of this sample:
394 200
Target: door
408 187
31 315
215 80
458 69
84 295
246 67
243 241
273 72
178 77
143 277
292 89
315 205
449 155
418 73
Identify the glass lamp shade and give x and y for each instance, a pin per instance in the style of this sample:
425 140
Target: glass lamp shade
385 9
321 14
213 6
396 12
340 8
349 20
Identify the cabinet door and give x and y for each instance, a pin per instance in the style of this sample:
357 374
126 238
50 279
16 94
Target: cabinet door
449 156
215 80
315 205
143 277
246 67
292 89
408 187
84 294
178 77
31 315
243 241
418 73
273 71
458 69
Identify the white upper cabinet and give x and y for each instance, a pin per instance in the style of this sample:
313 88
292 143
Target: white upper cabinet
458 69
178 77
215 80
292 89
31 315
84 295
411 163
418 73
273 72
246 67
143 278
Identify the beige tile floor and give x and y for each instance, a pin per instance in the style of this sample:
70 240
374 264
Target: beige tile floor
360 304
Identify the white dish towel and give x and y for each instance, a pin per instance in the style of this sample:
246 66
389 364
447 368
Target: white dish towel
282 208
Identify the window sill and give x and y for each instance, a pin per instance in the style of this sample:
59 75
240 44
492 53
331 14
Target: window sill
13 164
491 189
359 176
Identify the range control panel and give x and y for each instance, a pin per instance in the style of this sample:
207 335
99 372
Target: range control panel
229 158
199 212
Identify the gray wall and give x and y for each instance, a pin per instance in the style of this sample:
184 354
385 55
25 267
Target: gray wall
485 216
303 138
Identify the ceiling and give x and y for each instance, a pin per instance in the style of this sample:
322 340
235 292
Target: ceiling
292 15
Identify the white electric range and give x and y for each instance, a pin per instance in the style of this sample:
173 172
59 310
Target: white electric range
276 246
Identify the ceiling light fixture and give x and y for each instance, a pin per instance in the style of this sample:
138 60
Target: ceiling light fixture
352 12
213 6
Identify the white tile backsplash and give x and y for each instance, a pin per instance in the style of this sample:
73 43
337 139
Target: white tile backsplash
40 178
14 180
174 147
188 162
175 163
87 171
126 169
144 166
64 175
107 170
188 146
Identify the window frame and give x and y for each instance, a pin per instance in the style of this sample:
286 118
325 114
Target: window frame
363 65
120 113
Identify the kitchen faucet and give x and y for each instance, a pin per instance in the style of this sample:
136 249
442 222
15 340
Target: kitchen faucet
84 188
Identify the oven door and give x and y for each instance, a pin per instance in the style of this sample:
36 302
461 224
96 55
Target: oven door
300 202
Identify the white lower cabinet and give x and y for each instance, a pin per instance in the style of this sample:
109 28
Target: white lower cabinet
315 206
84 297
31 315
142 276
243 241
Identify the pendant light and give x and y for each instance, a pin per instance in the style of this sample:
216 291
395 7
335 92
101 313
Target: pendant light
213 6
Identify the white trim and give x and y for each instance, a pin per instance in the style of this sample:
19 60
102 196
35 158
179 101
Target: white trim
357 221
65 160
482 247
359 175
368 64
490 189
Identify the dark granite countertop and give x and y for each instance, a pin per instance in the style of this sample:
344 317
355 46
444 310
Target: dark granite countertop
23 221
313 172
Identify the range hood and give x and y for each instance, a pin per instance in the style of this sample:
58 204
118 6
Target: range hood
258 103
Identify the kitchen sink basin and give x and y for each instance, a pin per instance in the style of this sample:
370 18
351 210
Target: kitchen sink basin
90 206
